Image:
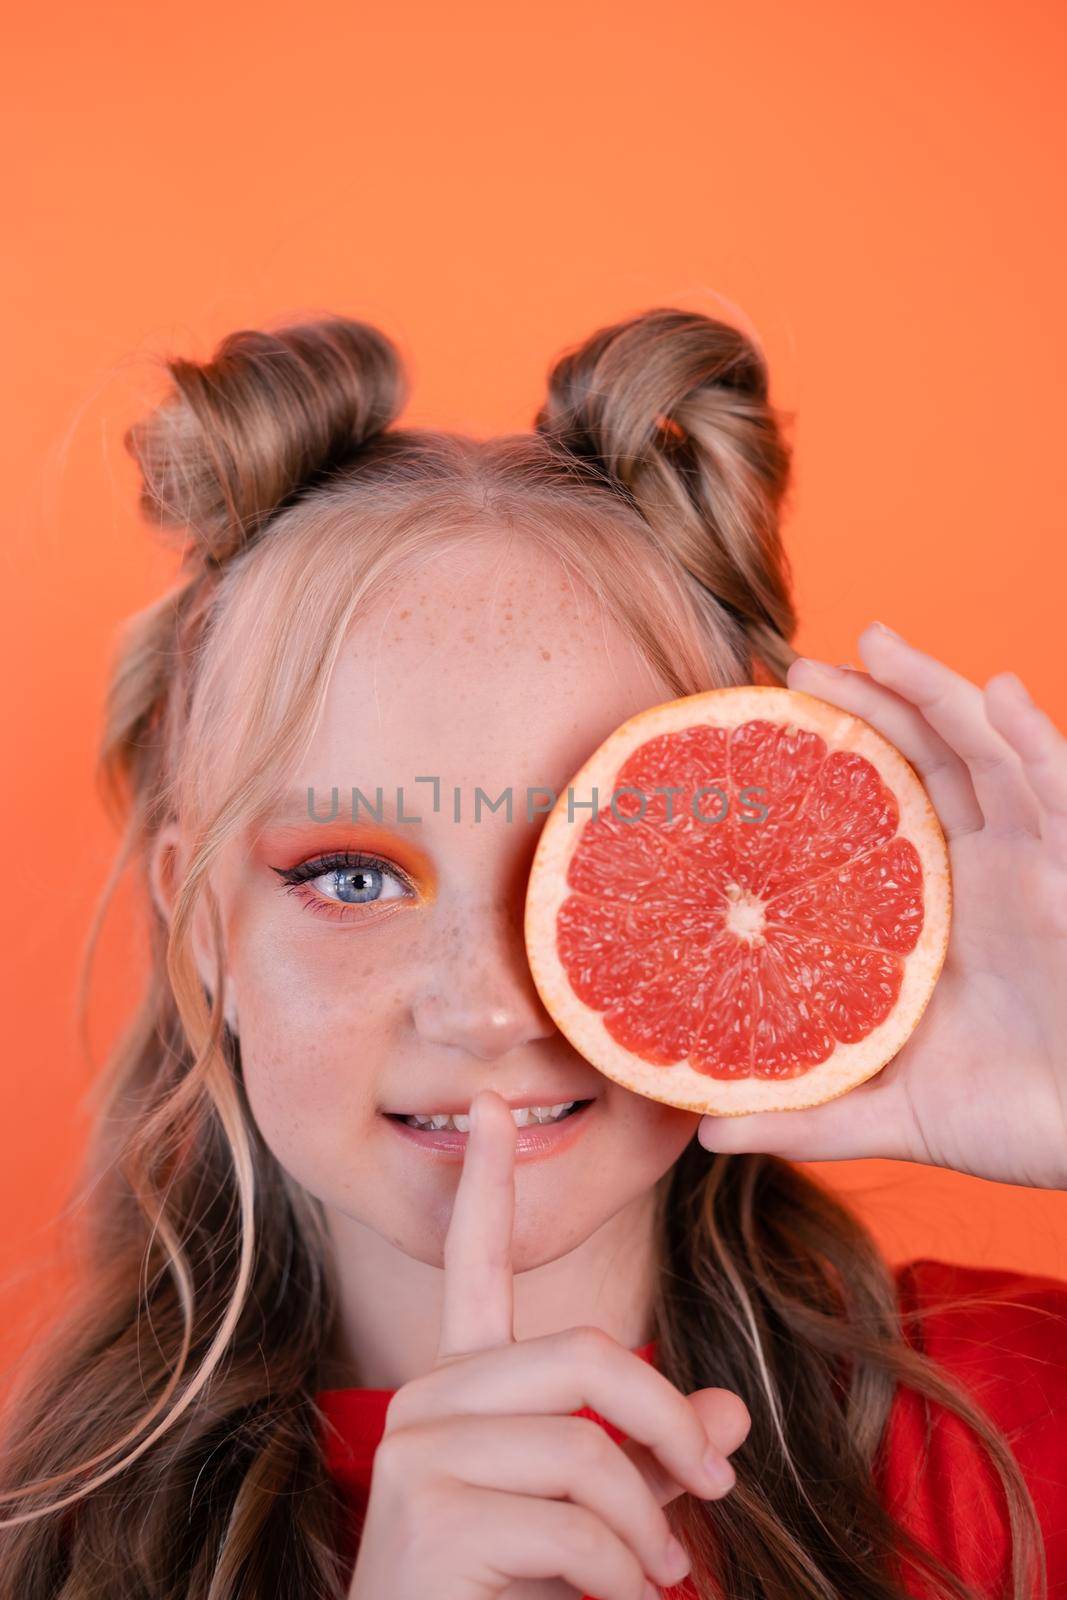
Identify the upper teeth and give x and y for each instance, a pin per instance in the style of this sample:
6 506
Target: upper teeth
461 1121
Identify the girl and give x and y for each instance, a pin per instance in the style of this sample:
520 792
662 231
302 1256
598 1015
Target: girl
298 1367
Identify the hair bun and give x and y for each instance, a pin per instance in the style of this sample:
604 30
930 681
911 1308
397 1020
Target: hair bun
672 408
272 412
629 386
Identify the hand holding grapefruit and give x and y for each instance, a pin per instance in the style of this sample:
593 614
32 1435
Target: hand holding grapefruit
980 1083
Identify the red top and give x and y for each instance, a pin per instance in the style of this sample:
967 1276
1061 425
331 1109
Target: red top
1010 1355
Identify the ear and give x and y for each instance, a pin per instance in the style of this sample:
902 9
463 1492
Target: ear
165 867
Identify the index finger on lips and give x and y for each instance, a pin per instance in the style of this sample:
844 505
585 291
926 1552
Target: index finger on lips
477 1312
585 1367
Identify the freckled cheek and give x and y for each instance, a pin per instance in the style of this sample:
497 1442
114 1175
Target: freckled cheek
315 1037
311 1102
291 959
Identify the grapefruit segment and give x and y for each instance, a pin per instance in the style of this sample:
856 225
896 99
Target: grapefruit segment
756 912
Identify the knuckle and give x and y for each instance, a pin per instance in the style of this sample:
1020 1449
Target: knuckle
403 1407
589 1443
422 1506
394 1414
1010 828
989 760
589 1343
398 1454
579 1532
435 1526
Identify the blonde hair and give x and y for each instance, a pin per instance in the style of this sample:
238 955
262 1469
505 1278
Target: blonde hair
166 1438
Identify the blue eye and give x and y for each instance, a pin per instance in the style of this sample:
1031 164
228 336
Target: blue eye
345 880
358 885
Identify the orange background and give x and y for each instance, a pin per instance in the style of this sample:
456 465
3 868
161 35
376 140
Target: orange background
877 188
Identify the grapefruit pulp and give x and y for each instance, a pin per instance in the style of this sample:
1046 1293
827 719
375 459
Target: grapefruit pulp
756 912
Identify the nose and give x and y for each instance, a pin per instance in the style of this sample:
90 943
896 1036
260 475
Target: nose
479 996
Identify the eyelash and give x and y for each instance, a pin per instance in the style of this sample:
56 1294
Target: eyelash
296 878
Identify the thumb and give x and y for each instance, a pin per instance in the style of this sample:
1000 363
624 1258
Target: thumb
726 1422
725 1417
864 1122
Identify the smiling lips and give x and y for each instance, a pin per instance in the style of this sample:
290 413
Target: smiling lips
444 1136
523 1116
533 1099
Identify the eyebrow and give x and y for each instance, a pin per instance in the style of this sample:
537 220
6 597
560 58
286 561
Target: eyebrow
351 803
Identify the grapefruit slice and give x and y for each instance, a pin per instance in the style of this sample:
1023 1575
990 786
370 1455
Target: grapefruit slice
741 902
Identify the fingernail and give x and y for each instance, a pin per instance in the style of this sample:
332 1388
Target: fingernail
718 1472
893 634
1017 686
818 666
675 1560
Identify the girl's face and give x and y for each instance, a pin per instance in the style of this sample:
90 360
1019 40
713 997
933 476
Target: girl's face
482 672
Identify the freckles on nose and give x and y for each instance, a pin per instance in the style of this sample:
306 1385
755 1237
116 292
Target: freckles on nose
483 1001
482 1030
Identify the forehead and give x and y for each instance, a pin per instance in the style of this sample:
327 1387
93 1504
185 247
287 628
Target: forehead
492 663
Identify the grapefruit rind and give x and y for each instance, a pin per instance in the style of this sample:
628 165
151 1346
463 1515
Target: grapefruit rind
679 1084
